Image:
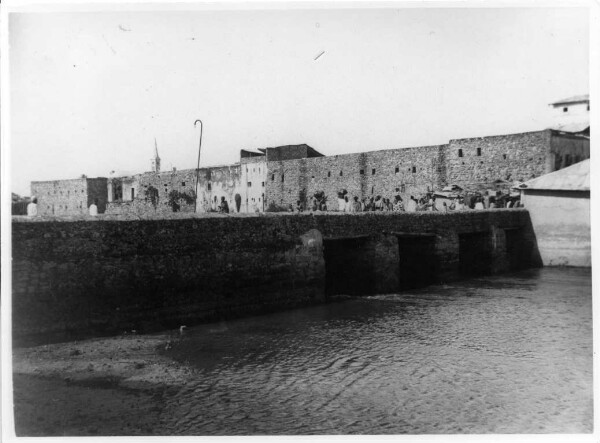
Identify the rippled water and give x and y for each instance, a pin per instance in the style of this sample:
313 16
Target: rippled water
503 354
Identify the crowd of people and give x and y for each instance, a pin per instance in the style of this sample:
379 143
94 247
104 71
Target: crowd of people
427 202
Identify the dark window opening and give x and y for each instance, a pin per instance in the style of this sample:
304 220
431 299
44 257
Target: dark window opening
373 171
414 169
282 178
182 183
263 184
479 152
209 187
249 184
341 173
362 172
272 177
565 109
329 174
372 189
588 107
397 169
460 152
504 156
132 193
397 189
313 177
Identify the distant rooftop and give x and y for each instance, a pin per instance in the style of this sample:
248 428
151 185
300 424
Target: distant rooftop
575 99
573 178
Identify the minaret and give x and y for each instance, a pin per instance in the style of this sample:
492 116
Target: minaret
156 160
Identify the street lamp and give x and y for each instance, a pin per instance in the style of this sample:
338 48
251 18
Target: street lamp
198 167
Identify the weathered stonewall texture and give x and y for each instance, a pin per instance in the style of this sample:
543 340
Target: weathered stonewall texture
106 276
286 174
69 197
395 171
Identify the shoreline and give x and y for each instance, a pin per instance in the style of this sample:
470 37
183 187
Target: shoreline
105 386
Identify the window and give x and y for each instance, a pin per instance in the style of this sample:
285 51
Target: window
263 184
341 173
565 109
373 171
362 172
282 178
504 156
132 193
372 189
588 107
460 152
397 189
182 183
272 177
249 184
313 177
397 169
479 152
414 169
328 173
209 186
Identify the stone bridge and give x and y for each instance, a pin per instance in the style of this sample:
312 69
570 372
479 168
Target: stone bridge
94 276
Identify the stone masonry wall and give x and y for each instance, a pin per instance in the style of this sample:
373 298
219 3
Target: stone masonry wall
61 197
505 158
387 173
105 276
213 183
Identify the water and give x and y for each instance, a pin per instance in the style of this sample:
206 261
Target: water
502 354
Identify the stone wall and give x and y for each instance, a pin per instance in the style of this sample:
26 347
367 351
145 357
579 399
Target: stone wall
213 184
387 173
104 276
486 160
69 197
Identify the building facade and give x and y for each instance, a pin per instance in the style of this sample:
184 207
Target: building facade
70 197
275 178
559 206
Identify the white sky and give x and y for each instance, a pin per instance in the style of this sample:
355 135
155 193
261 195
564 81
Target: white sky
90 91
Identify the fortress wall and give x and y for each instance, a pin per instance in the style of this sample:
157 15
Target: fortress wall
387 173
504 157
61 197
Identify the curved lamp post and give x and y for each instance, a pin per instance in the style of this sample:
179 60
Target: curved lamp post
198 167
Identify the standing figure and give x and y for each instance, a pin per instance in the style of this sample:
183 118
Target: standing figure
224 207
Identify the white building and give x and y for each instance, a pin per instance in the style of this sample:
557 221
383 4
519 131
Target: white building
572 114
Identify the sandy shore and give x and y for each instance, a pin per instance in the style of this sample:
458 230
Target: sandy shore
108 386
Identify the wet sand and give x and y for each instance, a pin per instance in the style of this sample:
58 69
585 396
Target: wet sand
110 386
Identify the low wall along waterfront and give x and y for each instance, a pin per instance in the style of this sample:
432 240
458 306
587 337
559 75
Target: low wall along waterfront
83 277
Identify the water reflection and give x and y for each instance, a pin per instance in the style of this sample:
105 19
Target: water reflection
503 354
